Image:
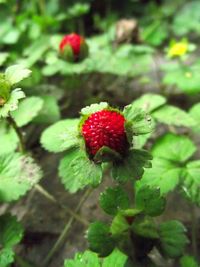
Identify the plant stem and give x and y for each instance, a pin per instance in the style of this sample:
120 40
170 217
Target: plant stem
50 197
12 122
64 233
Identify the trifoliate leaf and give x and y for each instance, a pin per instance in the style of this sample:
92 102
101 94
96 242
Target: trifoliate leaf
100 239
18 174
173 238
11 233
132 167
61 136
77 171
164 175
173 116
8 138
16 73
149 102
195 114
12 103
114 199
86 259
115 259
149 201
188 261
177 148
191 181
94 108
50 112
27 110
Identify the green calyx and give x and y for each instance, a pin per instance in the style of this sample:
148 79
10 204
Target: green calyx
5 89
84 51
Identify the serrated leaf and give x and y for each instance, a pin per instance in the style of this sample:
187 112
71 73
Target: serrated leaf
12 103
195 114
137 121
115 259
50 112
174 147
18 174
27 110
173 116
114 199
145 227
94 108
173 238
188 261
8 138
77 171
149 102
61 136
132 167
11 233
119 224
191 181
16 73
149 201
86 259
100 239
164 175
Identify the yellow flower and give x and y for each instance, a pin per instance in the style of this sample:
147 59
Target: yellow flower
178 49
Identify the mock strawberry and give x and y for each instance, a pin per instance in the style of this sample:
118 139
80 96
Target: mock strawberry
73 47
105 128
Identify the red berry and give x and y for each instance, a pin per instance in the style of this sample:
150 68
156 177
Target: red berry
74 41
105 128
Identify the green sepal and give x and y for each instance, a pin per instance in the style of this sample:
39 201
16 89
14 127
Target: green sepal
68 54
106 154
145 226
84 51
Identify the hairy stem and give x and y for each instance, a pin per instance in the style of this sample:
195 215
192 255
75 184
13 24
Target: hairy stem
65 231
12 122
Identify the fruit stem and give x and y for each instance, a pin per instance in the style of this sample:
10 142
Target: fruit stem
61 239
12 122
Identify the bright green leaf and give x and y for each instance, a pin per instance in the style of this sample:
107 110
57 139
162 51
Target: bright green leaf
8 137
16 73
188 261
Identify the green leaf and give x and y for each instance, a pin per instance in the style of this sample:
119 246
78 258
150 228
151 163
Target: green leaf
114 199
149 201
61 136
191 181
90 259
3 57
145 227
132 167
173 238
16 73
119 224
174 147
115 259
50 112
195 114
164 175
77 171
138 122
100 239
8 137
18 174
11 233
188 261
27 110
94 108
155 33
149 102
173 116
86 259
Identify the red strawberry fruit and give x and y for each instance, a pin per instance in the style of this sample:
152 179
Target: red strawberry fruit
105 128
73 47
